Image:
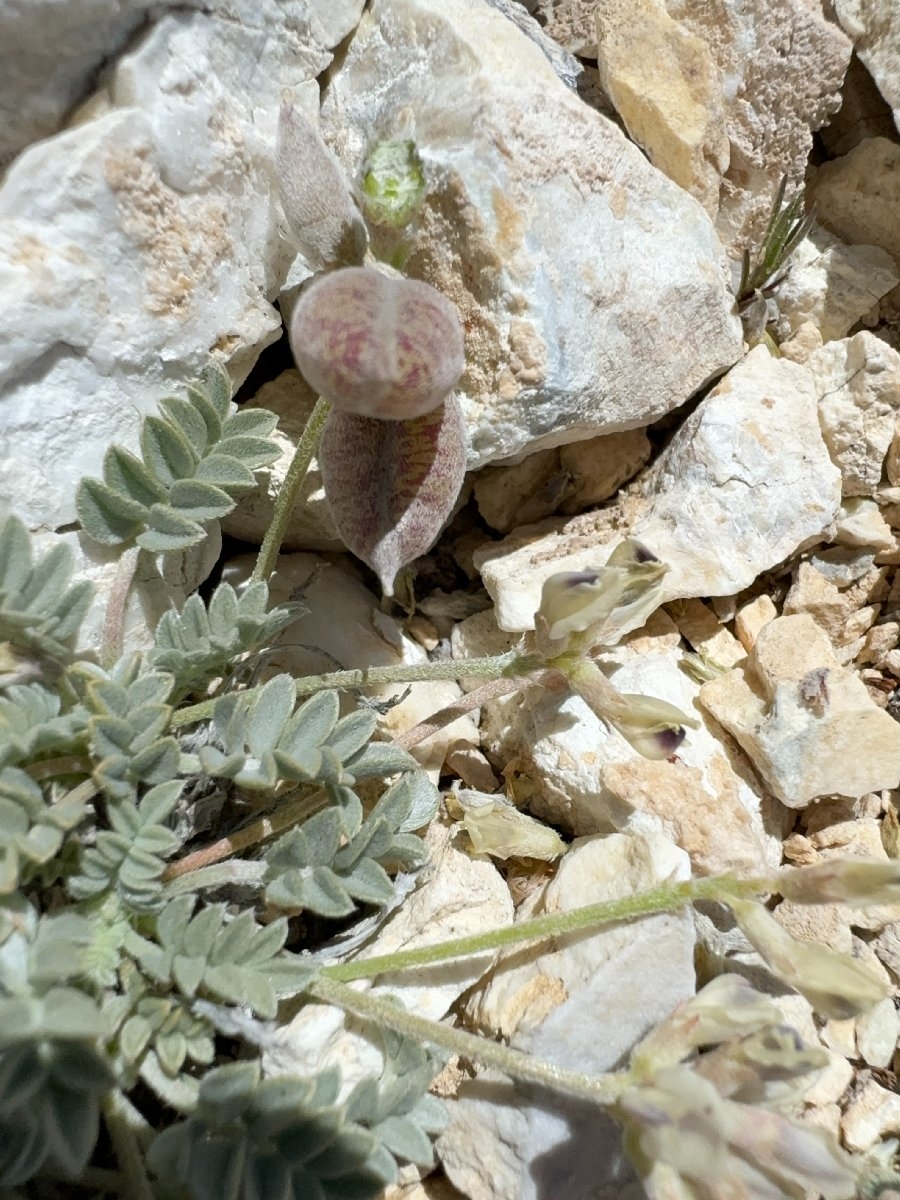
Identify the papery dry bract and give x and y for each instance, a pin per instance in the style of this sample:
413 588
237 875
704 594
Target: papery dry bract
496 827
687 1141
852 881
391 485
315 195
834 983
377 345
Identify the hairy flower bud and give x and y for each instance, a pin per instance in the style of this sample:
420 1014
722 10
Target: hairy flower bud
377 345
853 881
393 183
316 198
834 983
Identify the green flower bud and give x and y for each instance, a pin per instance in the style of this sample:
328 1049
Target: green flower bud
393 183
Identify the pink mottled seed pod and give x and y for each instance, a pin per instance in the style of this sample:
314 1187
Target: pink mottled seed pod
378 346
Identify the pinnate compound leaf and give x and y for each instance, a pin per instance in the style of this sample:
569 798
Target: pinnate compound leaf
130 857
40 607
228 960
196 459
391 485
31 829
49 1107
199 643
249 1134
318 867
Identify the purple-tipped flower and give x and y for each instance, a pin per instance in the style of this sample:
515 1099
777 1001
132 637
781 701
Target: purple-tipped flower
378 346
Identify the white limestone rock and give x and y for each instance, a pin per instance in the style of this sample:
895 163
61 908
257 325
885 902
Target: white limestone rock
832 285
745 483
460 895
857 196
595 323
565 479
344 629
872 1114
778 68
858 384
807 724
581 1006
54 49
667 89
874 26
137 243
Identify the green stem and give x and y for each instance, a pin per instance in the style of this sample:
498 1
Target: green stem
287 495
600 1089
511 664
113 636
667 897
123 1133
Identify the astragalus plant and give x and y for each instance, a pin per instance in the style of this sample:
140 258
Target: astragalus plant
145 960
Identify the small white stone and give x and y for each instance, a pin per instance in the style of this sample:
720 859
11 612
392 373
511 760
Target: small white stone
872 1114
807 724
858 384
856 196
750 618
745 483
877 1032
832 285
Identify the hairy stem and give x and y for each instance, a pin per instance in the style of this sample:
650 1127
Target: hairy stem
125 1126
510 665
466 704
600 1089
283 818
293 480
113 635
667 897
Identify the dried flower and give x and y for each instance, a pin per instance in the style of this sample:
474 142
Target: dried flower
496 827
853 881
834 983
377 345
688 1142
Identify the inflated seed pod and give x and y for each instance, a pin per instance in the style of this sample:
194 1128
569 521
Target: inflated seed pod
378 346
